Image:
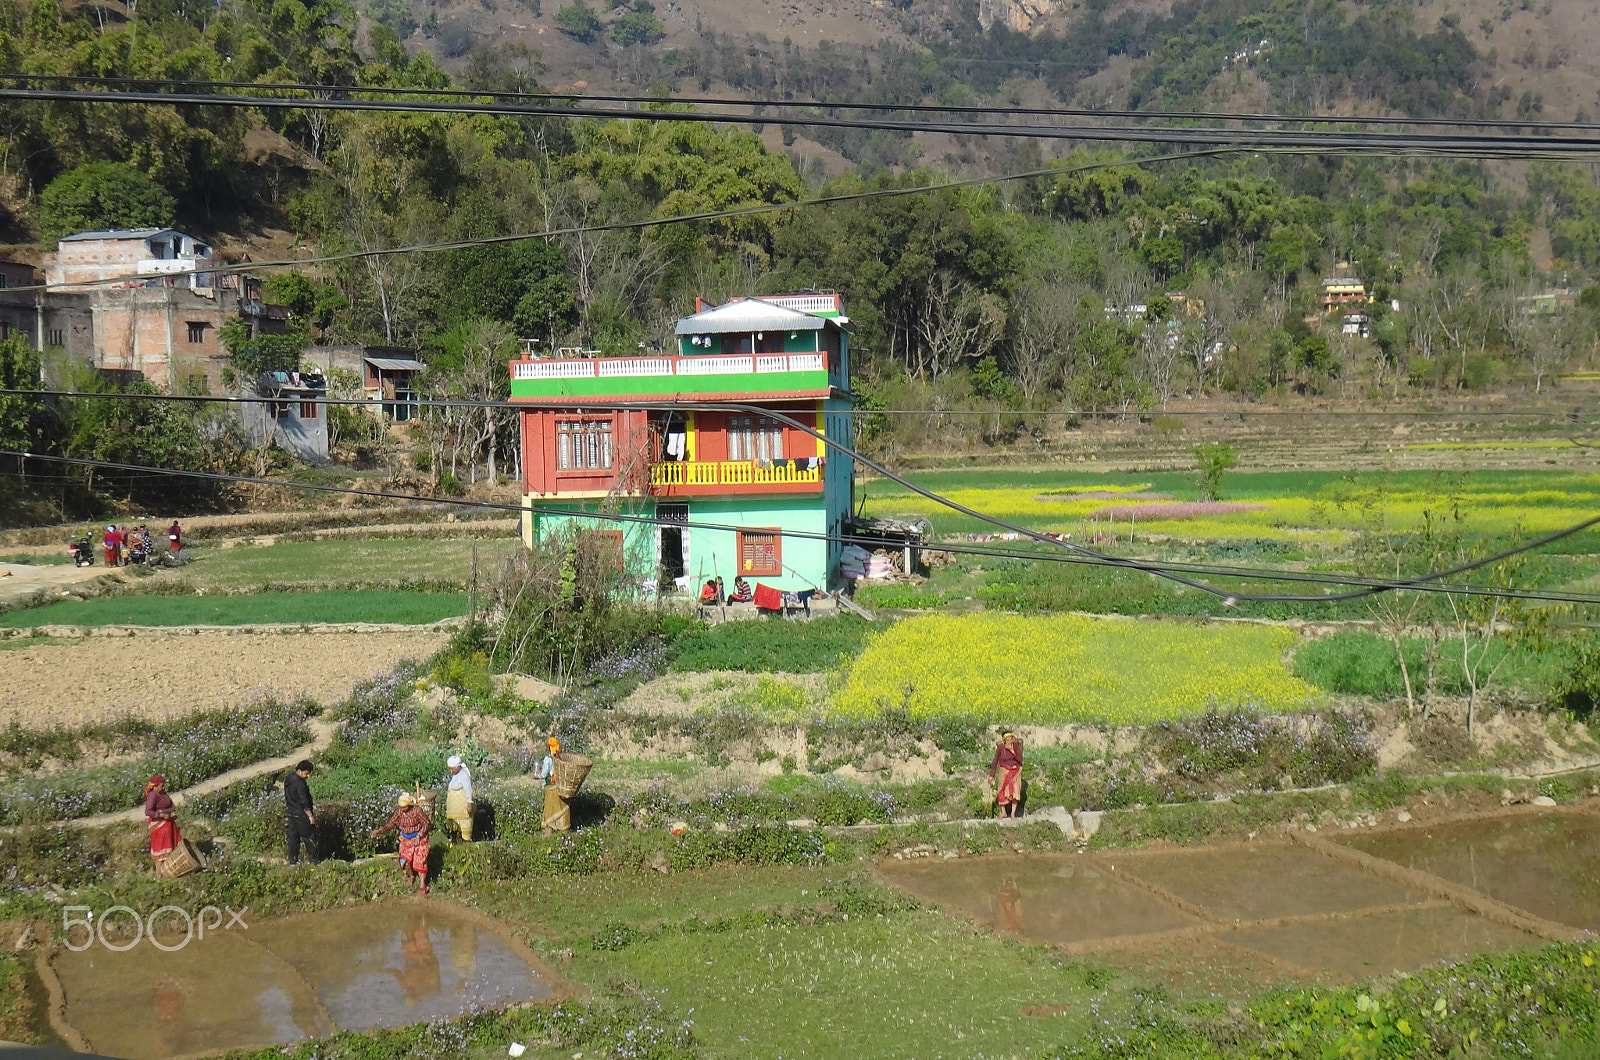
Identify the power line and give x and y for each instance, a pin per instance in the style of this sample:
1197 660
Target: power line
645 223
1477 146
1088 559
246 399
1160 570
735 101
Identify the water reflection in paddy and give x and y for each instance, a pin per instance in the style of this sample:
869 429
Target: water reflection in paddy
284 980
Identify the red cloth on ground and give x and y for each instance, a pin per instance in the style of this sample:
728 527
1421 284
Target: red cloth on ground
768 598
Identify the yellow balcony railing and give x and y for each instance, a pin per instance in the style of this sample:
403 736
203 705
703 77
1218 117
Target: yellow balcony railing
729 473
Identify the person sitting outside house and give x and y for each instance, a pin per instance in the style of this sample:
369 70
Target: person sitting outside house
742 593
711 592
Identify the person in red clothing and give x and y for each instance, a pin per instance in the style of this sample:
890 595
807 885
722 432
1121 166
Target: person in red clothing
113 546
1008 764
174 538
161 815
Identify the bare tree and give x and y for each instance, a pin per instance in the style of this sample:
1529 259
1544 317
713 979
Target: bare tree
957 323
1047 325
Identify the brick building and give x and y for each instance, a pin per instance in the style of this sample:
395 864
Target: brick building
135 300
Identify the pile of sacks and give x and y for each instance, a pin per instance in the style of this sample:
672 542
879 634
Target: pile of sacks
857 563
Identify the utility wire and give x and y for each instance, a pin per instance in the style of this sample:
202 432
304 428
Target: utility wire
1091 559
625 226
734 101
247 399
1478 146
1157 569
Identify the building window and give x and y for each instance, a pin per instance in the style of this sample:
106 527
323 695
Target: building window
583 445
308 410
280 410
197 331
754 438
769 342
760 552
5 330
56 337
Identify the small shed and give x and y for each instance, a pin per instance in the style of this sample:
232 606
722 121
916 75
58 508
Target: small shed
390 380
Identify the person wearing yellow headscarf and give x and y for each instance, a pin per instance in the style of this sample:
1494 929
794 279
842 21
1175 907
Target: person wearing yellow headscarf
557 814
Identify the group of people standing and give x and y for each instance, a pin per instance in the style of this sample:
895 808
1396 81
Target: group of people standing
415 826
123 546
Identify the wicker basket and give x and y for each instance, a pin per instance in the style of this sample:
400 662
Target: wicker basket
182 860
570 771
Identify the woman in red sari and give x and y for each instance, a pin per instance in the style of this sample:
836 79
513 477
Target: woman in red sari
414 827
162 815
1008 764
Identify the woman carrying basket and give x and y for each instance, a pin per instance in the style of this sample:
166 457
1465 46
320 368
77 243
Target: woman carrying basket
557 814
414 827
162 816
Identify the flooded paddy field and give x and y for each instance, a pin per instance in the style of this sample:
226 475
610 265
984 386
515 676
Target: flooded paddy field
281 981
1548 864
1281 910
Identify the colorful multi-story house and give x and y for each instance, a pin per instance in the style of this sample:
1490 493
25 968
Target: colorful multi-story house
724 492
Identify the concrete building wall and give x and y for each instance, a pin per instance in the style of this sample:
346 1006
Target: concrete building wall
295 422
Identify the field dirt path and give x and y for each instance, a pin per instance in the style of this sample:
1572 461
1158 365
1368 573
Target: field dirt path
322 733
18 581
161 674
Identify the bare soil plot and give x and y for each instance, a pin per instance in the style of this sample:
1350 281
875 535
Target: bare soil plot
159 674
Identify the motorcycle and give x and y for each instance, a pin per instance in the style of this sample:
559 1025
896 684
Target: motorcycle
82 552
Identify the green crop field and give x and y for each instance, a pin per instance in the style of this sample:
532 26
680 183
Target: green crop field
373 560
409 608
1070 668
1306 506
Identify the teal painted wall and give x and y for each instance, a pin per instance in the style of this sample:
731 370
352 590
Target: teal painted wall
714 552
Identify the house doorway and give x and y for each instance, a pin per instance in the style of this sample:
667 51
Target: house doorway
672 542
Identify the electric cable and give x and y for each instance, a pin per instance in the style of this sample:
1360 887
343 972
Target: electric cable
1478 146
1157 569
623 226
734 101
1257 574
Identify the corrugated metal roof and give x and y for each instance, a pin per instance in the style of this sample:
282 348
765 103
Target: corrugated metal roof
121 233
750 314
394 364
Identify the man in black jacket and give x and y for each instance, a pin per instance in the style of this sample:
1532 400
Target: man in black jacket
302 818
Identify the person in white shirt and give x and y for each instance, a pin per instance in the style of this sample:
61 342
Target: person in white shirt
458 804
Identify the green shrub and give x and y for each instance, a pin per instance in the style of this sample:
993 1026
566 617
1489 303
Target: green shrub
199 747
782 647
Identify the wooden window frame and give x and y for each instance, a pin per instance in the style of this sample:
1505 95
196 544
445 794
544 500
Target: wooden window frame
197 332
604 433
776 534
308 410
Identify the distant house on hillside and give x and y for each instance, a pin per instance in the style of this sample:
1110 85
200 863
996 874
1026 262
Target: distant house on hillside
732 492
145 300
1340 291
295 416
388 375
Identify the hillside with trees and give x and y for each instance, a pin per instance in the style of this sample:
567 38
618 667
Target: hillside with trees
1109 284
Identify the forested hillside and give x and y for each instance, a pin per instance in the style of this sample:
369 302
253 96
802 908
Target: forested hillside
1110 284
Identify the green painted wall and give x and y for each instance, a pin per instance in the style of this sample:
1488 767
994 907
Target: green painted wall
686 387
712 552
